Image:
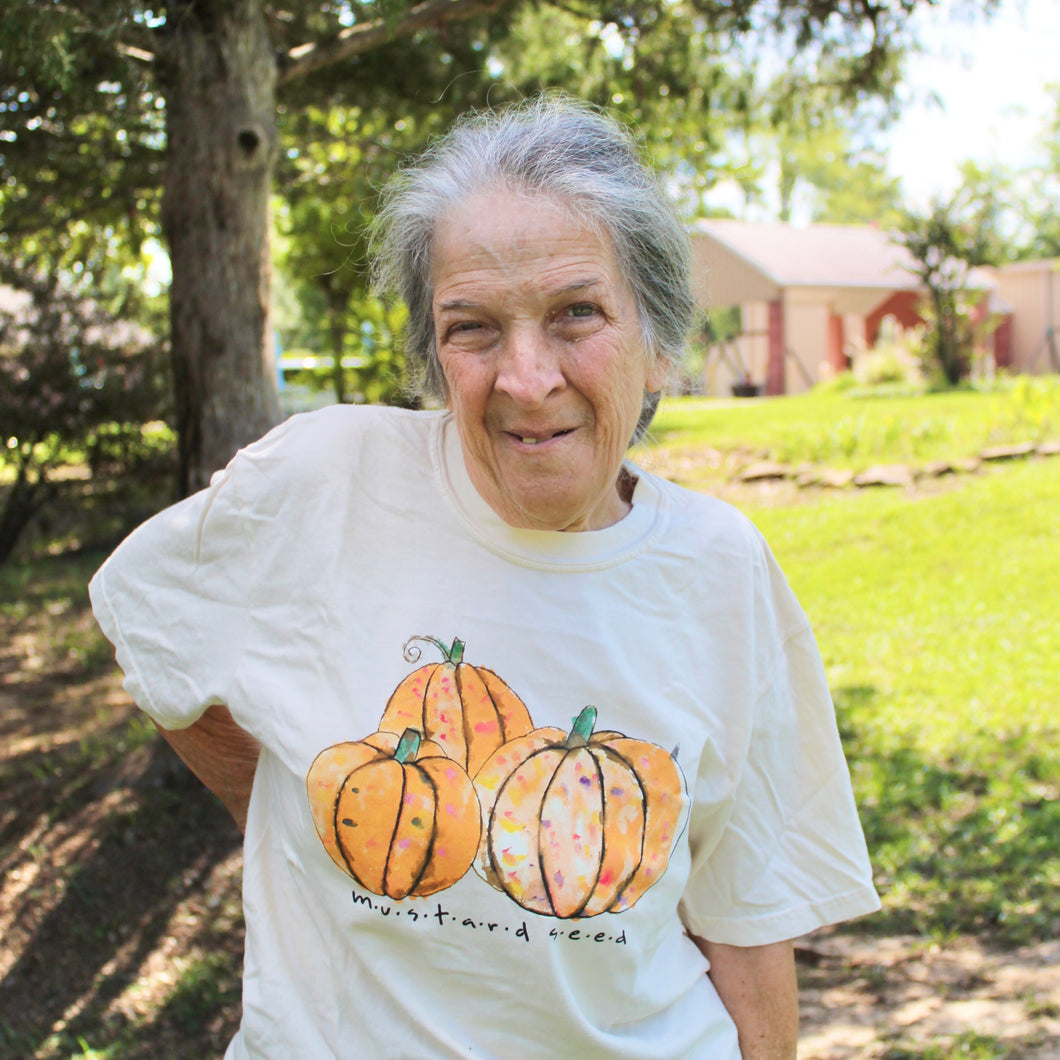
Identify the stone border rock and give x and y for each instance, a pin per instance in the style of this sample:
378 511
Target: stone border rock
896 475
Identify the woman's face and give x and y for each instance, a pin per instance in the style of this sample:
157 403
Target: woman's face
541 347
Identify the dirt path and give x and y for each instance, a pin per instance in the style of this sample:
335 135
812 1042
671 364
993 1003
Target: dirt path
898 997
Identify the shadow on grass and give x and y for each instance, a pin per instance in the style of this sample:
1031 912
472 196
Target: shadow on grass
114 907
962 843
95 512
119 872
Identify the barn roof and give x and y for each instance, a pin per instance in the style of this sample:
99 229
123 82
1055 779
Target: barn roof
740 262
820 255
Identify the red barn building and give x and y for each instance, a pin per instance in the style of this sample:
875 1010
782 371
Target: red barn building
811 298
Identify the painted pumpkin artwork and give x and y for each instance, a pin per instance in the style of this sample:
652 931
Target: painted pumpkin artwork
580 824
396 814
467 710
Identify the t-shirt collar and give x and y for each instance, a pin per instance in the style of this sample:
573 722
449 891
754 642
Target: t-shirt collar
546 548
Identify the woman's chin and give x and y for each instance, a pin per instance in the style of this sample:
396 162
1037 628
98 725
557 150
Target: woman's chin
560 509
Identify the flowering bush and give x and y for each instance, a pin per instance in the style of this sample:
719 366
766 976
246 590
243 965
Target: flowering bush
895 359
76 386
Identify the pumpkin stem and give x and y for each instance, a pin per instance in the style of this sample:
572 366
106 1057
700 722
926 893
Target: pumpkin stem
582 727
407 746
454 655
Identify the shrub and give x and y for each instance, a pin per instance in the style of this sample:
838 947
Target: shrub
77 384
895 358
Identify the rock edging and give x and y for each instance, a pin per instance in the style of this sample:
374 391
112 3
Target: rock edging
903 476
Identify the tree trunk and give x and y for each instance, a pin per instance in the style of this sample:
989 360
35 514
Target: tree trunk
338 308
23 499
786 186
219 76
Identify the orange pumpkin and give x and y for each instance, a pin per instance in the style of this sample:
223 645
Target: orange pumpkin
580 824
467 710
398 815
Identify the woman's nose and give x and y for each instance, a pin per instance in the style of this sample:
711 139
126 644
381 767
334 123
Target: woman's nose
529 369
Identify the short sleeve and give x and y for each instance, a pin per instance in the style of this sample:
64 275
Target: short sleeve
173 599
790 856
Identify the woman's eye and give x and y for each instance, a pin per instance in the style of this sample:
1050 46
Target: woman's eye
464 326
582 310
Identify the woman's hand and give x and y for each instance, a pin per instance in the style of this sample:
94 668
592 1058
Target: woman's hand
758 986
222 755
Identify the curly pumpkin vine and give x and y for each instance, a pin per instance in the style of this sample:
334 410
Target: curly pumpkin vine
467 710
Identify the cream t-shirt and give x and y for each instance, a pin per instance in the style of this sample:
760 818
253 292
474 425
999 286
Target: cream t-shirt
289 590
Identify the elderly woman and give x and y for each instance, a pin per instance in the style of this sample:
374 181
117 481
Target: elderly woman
543 761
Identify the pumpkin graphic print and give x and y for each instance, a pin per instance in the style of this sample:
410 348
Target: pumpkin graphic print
566 824
467 710
580 824
398 815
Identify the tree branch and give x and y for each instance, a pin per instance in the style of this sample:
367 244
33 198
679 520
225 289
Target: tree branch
138 37
136 40
308 58
132 52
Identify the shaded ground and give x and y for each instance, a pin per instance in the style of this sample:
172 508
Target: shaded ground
119 887
902 997
119 878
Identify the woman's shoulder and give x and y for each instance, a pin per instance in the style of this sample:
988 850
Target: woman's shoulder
733 560
345 423
708 520
338 439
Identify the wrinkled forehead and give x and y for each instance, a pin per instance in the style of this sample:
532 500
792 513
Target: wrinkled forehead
500 244
513 223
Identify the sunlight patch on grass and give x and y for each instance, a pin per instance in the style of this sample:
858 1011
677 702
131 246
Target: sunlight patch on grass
940 602
967 1046
935 618
850 430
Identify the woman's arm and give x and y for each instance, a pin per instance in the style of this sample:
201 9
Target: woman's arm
222 755
757 985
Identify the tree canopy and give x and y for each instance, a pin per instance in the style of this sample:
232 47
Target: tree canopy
121 120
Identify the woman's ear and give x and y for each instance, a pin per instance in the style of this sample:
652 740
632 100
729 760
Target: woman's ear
658 374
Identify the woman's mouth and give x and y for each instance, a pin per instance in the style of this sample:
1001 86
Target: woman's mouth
538 438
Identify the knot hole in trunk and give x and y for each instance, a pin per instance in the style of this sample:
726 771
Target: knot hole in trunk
251 141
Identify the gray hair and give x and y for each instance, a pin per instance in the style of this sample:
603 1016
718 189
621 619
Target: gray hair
569 152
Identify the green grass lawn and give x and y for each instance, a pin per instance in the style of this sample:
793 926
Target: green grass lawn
936 617
935 612
856 428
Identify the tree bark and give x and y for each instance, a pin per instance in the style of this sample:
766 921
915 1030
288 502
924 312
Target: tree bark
337 299
20 503
218 70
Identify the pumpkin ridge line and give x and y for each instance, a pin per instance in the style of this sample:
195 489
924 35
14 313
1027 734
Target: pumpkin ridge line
465 721
567 752
429 730
603 834
540 852
502 722
338 841
393 835
493 703
645 801
335 825
429 852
